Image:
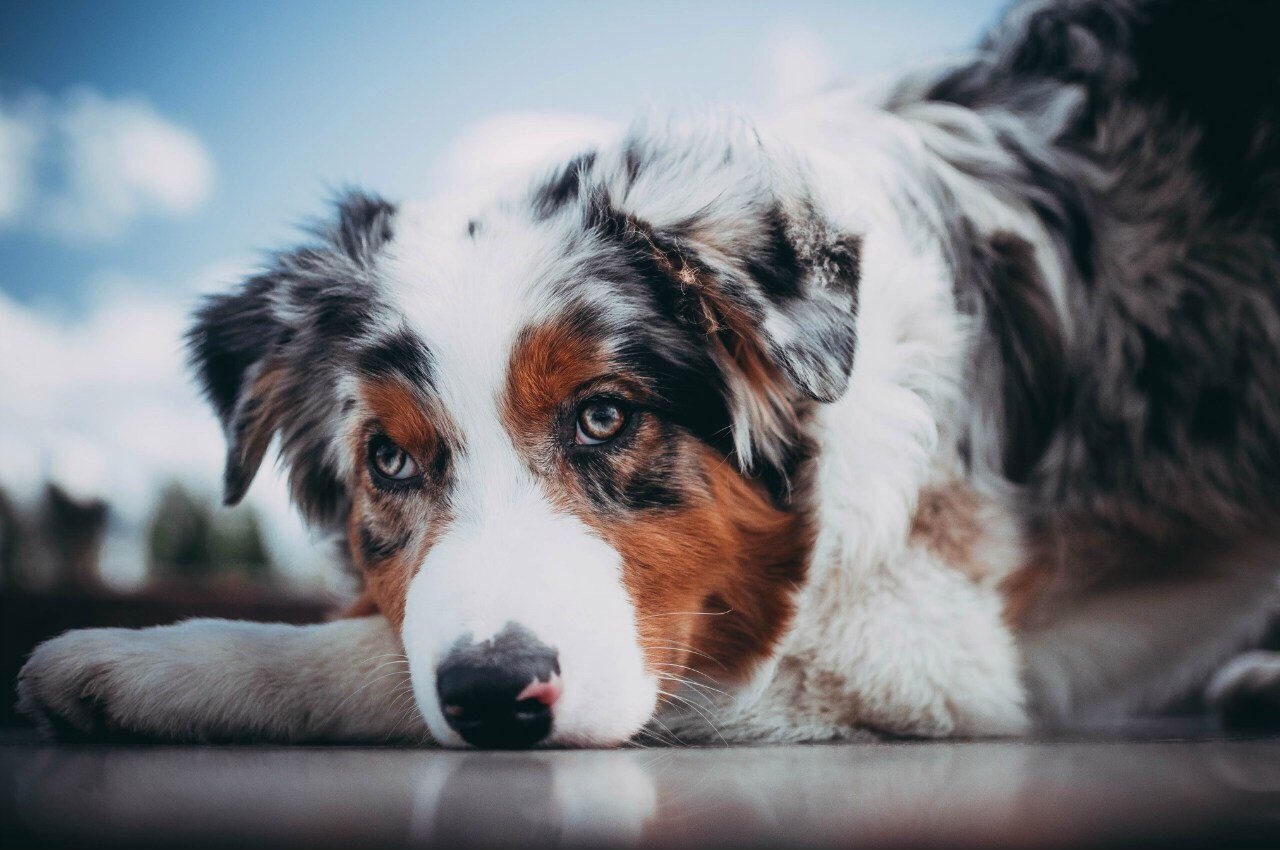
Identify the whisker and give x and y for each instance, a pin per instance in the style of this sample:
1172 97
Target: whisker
685 681
700 713
686 614
693 670
388 664
395 655
669 731
636 740
405 722
683 648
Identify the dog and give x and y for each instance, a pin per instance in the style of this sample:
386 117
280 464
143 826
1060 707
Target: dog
941 406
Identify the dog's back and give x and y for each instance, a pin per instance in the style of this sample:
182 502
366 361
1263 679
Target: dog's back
1149 138
1141 428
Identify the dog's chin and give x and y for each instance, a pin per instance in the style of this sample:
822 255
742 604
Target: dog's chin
589 741
609 726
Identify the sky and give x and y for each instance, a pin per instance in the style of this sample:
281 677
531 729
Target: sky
153 151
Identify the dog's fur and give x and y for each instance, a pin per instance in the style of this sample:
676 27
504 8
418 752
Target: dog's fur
955 411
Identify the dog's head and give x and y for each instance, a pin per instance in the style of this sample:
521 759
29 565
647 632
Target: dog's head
564 435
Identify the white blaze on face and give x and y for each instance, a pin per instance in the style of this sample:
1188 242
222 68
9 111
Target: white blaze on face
508 556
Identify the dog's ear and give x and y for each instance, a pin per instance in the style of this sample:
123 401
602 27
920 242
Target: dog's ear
742 237
777 302
235 348
266 356
783 287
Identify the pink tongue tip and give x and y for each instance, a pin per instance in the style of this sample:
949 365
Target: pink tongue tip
544 692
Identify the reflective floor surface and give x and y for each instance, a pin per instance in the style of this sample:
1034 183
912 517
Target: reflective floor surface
1155 791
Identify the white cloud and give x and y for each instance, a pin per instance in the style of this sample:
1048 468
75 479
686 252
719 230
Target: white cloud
797 61
507 145
801 62
18 138
492 151
103 406
85 167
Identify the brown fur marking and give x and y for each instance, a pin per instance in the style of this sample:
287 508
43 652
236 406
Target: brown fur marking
548 364
949 522
712 583
401 413
713 577
386 579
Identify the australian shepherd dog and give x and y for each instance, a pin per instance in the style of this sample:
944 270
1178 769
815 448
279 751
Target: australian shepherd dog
947 405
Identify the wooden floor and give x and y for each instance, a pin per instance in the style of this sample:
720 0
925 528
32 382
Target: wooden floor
1162 788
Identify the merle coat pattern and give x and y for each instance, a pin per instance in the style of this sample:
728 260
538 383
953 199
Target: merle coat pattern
965 391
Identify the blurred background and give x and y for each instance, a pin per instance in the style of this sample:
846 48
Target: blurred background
151 152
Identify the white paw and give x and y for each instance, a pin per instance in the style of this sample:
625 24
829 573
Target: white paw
75 685
1246 691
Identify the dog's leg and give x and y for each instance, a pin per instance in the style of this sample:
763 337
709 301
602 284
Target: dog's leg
221 680
1245 693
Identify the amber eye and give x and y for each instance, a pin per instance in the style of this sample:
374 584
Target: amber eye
600 420
391 462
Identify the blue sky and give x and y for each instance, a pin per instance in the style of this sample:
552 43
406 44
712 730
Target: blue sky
293 99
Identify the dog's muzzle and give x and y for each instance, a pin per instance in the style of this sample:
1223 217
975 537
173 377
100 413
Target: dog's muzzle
500 693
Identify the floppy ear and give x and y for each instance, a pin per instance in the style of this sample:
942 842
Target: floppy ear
741 235
772 292
268 356
783 284
232 344
776 298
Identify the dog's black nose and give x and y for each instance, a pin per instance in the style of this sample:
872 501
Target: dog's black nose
500 693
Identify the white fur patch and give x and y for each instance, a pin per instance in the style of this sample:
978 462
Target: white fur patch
508 556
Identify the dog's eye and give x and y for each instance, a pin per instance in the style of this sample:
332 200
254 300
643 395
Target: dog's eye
600 420
391 462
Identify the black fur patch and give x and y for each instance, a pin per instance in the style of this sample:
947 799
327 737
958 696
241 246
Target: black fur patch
230 335
844 258
776 268
1160 185
1022 355
616 482
336 312
796 267
375 547
402 353
563 187
364 224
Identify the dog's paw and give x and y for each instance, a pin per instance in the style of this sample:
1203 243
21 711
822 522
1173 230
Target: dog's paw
85 684
1245 693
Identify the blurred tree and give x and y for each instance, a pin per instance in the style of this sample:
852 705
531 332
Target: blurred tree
188 539
180 532
74 530
55 544
10 535
237 541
